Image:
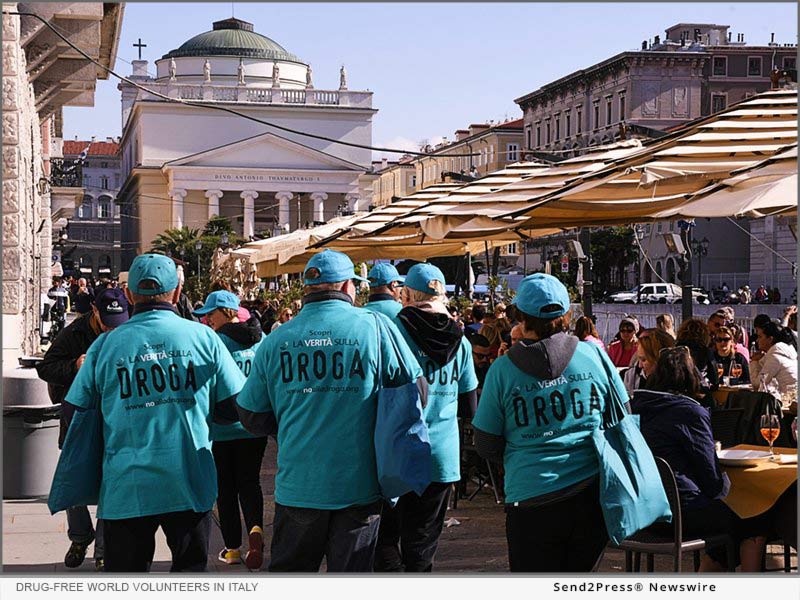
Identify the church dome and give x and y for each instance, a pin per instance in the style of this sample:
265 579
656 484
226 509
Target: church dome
233 37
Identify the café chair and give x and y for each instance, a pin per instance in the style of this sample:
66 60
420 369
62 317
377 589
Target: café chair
754 404
655 539
725 425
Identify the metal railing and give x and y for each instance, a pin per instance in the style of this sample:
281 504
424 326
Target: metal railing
66 173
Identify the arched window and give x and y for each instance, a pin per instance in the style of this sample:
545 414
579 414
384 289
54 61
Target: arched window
85 209
104 208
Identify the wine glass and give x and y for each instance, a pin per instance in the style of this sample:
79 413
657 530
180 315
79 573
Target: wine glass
736 370
770 430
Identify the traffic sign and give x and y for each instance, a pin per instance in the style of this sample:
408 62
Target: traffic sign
565 264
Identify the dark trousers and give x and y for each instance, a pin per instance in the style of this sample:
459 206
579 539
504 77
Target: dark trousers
80 530
131 543
345 538
409 533
567 536
239 483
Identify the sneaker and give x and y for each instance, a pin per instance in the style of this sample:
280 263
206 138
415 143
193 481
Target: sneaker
255 555
230 557
99 564
75 555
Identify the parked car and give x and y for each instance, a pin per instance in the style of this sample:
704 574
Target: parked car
653 293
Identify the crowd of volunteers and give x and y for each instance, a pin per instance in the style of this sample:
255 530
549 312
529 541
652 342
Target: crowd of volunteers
188 398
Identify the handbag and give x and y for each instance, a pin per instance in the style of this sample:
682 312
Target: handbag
632 496
79 472
402 446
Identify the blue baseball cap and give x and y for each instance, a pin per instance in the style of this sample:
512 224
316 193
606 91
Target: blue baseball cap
112 305
218 299
539 291
154 267
329 266
384 274
420 275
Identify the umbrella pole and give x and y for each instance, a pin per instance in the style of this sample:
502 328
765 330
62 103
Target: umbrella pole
586 241
488 275
686 274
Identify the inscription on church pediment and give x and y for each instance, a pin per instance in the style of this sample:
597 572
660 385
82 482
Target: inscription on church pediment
266 178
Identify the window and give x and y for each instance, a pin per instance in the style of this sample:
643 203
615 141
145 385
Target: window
789 62
538 135
608 112
659 227
596 115
579 119
568 124
754 66
86 180
547 131
622 107
491 153
104 165
512 150
103 209
104 182
413 181
720 66
718 102
528 138
558 128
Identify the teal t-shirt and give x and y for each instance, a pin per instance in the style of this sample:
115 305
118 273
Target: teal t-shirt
390 308
441 413
318 374
547 424
157 378
243 356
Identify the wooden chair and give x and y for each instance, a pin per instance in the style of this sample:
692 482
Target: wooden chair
725 425
652 541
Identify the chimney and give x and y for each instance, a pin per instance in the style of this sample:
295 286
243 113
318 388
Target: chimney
94 138
730 33
657 41
683 41
771 38
644 44
384 162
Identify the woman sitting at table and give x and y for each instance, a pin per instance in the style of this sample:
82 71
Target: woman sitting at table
678 429
776 359
729 362
694 334
650 347
622 350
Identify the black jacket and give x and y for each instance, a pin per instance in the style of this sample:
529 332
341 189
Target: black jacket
678 430
185 309
58 368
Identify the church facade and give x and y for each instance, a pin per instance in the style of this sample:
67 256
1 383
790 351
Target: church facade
184 162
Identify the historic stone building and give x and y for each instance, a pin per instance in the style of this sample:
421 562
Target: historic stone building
92 246
393 179
698 69
41 74
182 164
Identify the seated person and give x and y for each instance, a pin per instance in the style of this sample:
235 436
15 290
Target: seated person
622 351
776 359
678 429
730 363
650 346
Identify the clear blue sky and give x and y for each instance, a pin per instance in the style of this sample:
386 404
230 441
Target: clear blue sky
434 68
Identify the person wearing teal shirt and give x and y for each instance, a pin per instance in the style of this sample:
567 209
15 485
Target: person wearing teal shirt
409 532
156 380
385 284
316 377
539 406
237 452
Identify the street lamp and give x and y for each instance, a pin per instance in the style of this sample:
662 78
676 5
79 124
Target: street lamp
198 245
700 248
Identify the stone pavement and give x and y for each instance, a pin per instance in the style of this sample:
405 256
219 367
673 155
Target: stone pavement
35 542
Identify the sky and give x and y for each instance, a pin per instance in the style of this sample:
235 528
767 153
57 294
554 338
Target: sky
433 67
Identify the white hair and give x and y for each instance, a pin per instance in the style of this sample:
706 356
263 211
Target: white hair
179 269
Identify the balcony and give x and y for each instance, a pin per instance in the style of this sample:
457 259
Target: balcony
66 173
240 94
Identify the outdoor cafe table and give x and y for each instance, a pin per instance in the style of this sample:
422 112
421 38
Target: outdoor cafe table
754 490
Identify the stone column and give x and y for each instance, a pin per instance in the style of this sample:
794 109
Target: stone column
248 228
318 198
177 196
213 202
283 208
353 200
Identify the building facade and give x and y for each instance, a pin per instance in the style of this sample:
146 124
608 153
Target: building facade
41 74
182 164
698 69
393 179
93 244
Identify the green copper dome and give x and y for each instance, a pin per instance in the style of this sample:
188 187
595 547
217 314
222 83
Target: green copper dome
233 37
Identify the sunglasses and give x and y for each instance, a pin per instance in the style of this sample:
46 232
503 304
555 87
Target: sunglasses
674 350
723 340
482 354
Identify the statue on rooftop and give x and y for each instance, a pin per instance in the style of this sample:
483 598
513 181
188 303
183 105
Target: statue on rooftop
207 71
173 69
240 71
342 79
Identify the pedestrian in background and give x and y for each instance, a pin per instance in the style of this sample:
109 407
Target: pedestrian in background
622 350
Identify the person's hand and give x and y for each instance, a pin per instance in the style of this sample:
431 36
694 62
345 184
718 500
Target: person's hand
756 356
79 361
503 349
790 310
